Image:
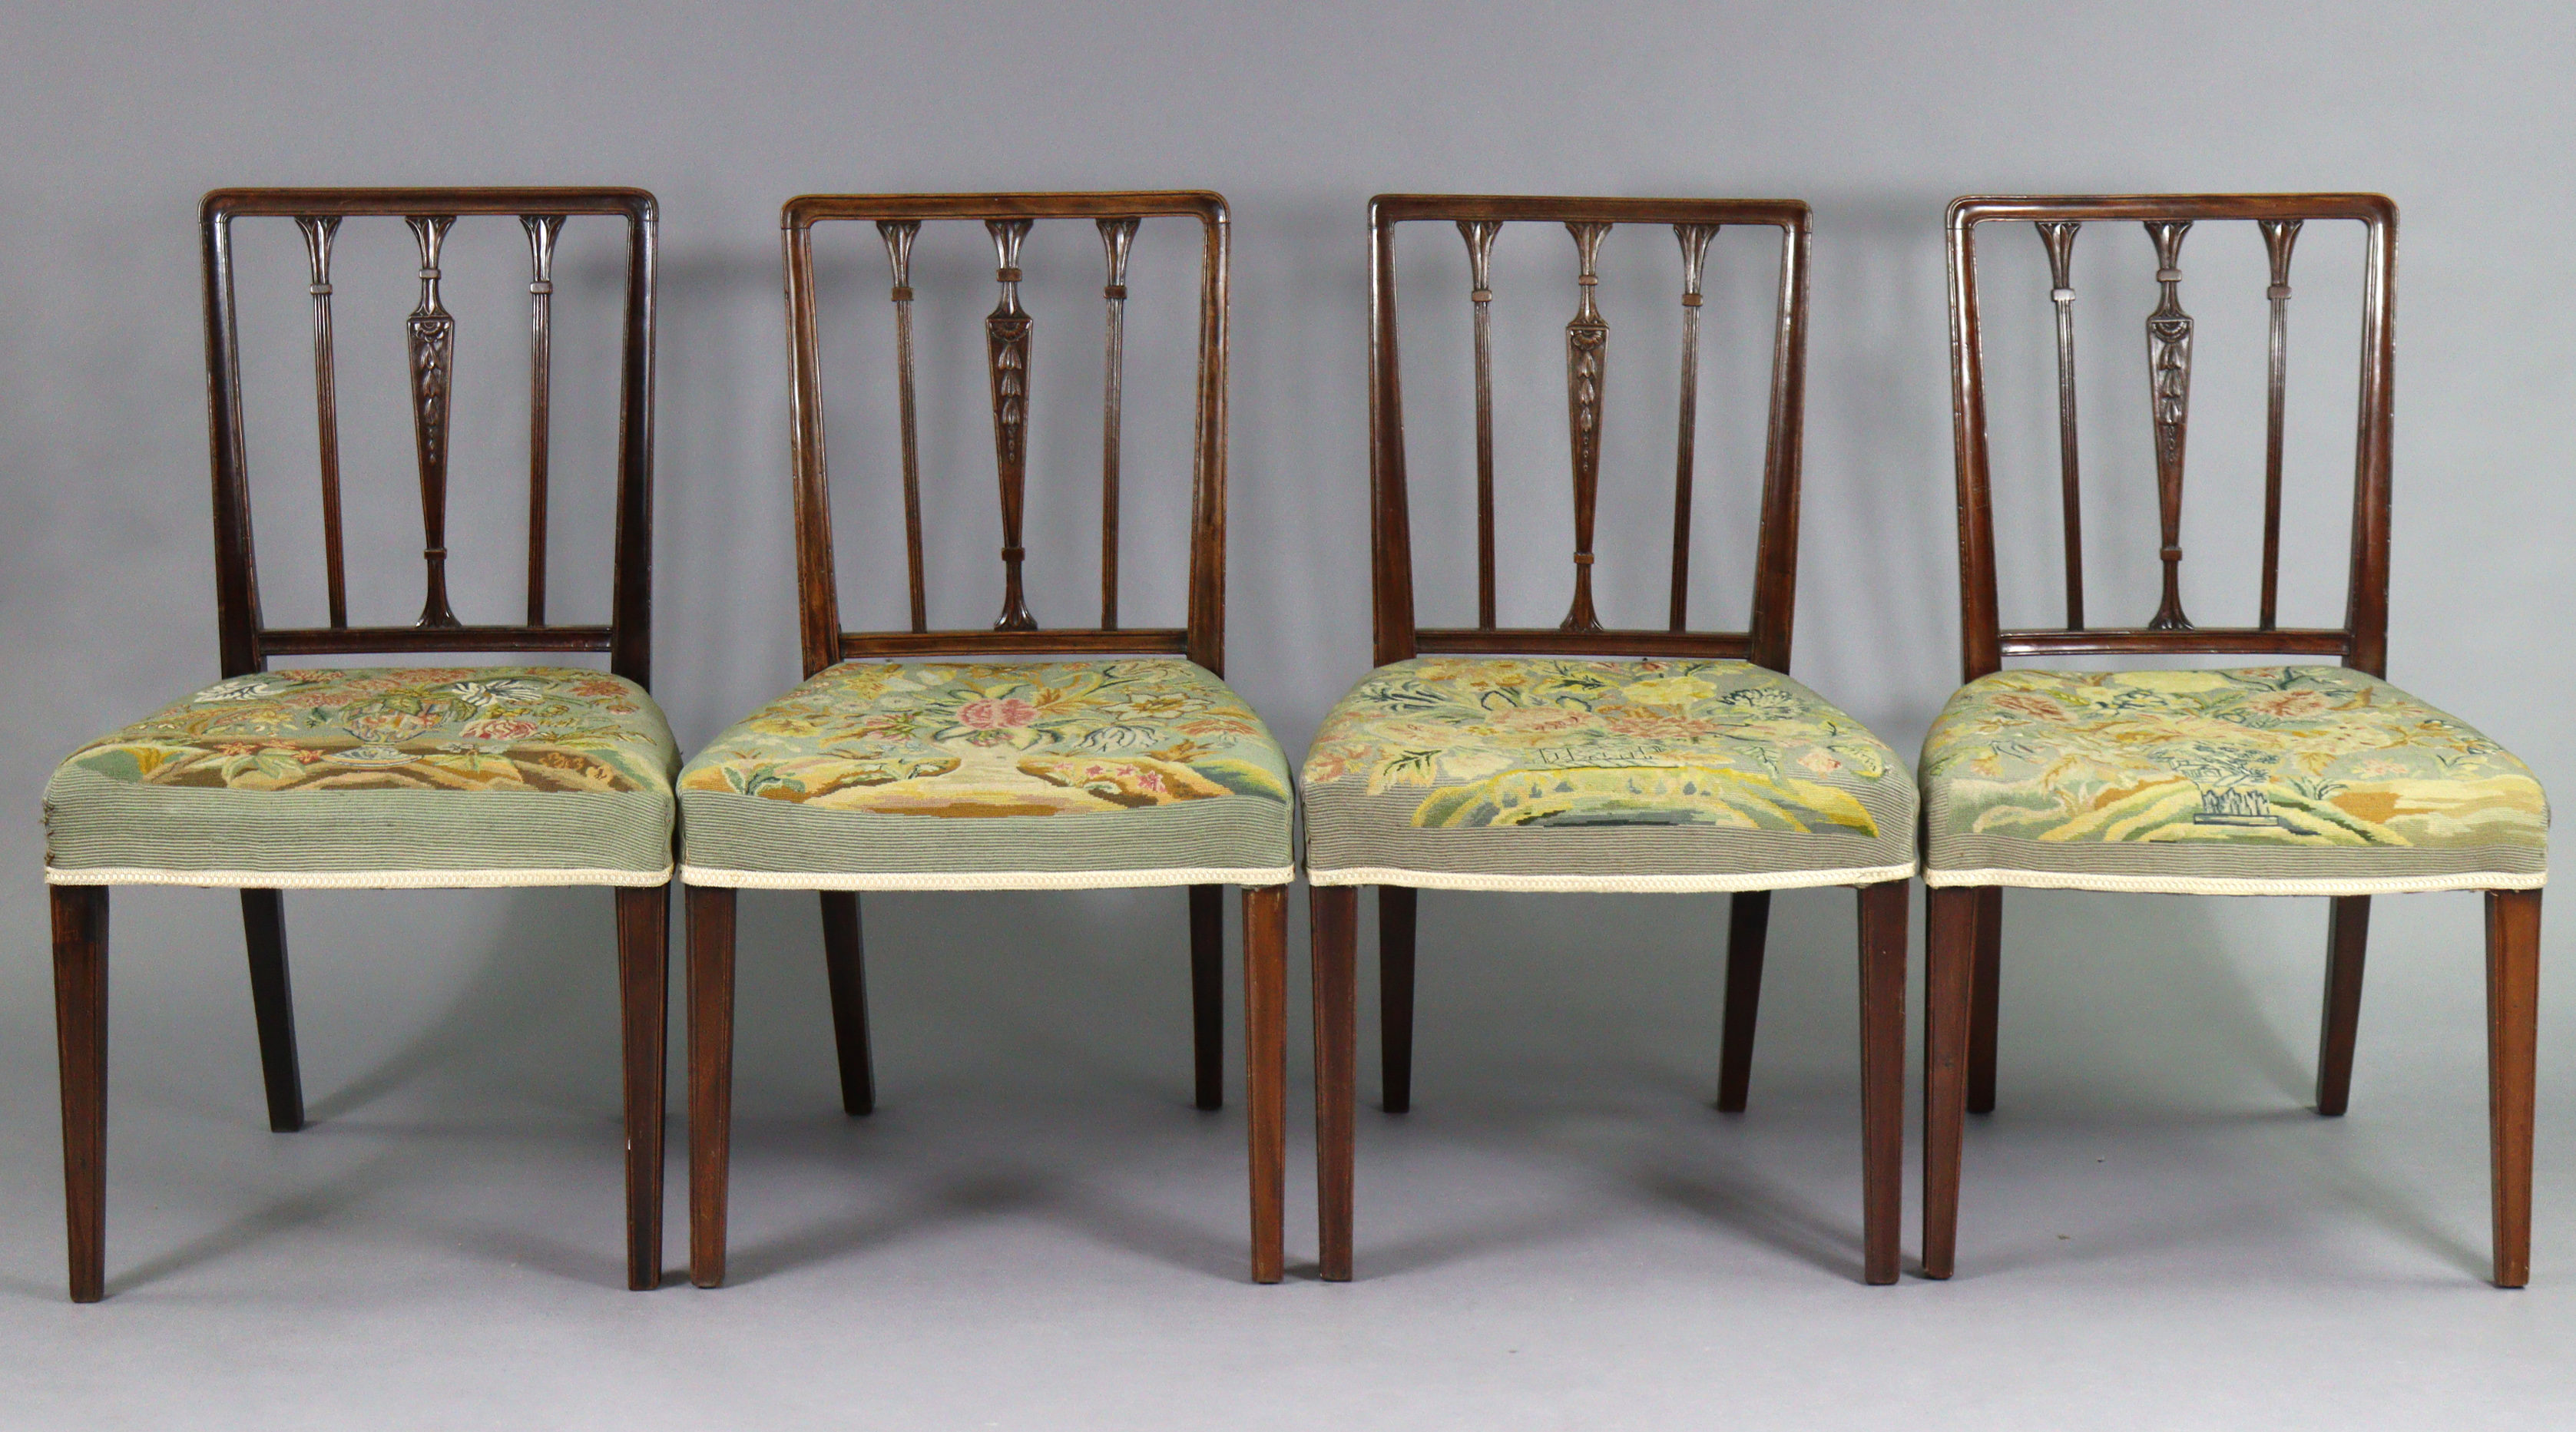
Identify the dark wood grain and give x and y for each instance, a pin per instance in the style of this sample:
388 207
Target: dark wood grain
1949 956
272 1004
2347 939
1333 924
543 230
2513 1034
432 343
1882 1075
80 1041
1011 219
1582 633
710 920
1985 1014
644 998
2280 237
1265 1059
1117 238
845 972
1748 926
1397 908
1207 996
2059 240
2361 640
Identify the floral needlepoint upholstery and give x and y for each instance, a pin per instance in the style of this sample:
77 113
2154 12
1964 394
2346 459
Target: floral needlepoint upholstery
1551 774
2297 779
897 775
424 776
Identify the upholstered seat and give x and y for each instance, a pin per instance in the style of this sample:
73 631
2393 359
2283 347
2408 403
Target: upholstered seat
888 775
1532 773
2315 780
432 776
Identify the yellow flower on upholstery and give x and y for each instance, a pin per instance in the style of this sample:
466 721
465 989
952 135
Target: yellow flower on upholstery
1667 691
2176 682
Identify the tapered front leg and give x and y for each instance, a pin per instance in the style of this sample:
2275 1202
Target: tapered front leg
80 1033
644 982
1949 958
2513 1035
2347 937
710 995
1397 911
1332 919
1207 994
845 968
1986 1018
272 1003
1748 926
1882 1075
1265 1058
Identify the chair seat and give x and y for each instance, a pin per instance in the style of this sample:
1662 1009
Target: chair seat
375 776
2315 780
1554 774
1031 775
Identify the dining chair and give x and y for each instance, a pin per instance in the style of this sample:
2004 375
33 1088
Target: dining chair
1582 757
1014 758
337 778
2320 780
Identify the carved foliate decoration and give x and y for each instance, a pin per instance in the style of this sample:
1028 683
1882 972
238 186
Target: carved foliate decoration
1006 347
2169 389
432 344
1587 339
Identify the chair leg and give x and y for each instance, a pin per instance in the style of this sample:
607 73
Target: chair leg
80 1031
845 967
272 1002
1949 955
2513 1031
1265 1058
1333 920
1882 1075
1748 924
2347 935
1207 993
710 996
1988 996
1396 908
644 983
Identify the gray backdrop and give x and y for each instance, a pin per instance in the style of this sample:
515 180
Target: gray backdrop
474 1029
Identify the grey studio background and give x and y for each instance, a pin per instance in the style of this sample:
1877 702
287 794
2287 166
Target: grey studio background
1036 1231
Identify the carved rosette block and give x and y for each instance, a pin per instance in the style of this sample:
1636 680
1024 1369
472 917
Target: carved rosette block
1006 349
2169 390
1587 339
432 343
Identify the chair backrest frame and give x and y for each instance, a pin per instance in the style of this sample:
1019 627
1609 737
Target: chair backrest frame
247 642
1008 217
1397 636
2361 641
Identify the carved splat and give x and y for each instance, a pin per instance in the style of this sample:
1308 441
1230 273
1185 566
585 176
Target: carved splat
2169 388
1694 239
1116 235
1480 235
2279 237
1006 348
2059 240
898 235
543 230
319 231
1587 339
432 332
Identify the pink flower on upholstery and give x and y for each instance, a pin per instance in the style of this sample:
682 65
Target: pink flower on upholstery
1660 728
2288 704
500 728
1820 763
2377 768
989 715
2030 705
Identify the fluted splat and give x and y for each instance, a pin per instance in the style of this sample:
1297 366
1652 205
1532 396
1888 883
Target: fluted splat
319 231
1587 339
1116 235
543 229
2169 387
1694 239
898 235
2059 240
2279 237
1006 348
1480 235
432 334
